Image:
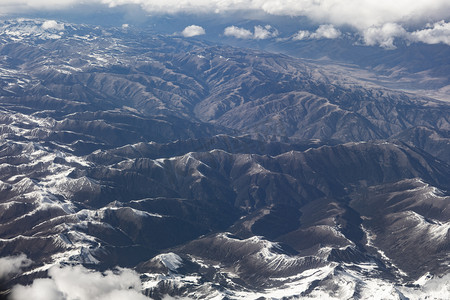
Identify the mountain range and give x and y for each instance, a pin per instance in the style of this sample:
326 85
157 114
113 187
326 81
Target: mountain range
219 172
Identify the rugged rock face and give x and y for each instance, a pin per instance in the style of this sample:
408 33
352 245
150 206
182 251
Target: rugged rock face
215 171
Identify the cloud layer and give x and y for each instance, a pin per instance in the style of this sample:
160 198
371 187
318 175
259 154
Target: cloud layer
359 14
69 283
379 22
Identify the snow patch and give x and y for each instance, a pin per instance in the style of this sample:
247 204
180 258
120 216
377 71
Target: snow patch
170 260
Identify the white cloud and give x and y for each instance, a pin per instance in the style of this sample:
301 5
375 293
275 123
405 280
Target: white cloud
193 30
437 33
238 32
360 14
259 33
51 24
41 289
326 31
318 9
69 283
262 33
384 35
12 265
373 19
302 35
380 22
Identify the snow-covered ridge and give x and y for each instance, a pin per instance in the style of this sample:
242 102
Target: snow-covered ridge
19 29
170 260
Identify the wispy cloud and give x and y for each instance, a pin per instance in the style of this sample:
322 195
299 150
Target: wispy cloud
259 32
80 283
262 33
193 30
12 265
